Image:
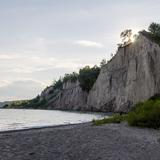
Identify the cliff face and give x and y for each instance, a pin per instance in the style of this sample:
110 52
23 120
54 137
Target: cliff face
133 75
70 97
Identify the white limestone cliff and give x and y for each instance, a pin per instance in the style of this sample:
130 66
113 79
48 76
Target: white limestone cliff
131 76
70 97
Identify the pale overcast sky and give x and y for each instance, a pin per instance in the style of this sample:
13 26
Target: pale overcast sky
43 39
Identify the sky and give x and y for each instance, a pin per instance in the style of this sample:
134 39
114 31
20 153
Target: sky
41 40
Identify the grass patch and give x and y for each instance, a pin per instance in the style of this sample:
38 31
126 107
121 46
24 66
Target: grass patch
114 119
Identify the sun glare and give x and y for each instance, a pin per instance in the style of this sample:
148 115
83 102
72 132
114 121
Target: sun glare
133 38
134 35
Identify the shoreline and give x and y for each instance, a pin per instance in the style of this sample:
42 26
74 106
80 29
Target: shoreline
42 127
81 142
13 120
63 110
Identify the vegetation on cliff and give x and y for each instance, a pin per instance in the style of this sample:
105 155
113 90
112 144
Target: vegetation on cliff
153 32
86 77
58 84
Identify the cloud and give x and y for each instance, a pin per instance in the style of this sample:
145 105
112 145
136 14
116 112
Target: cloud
86 43
4 83
20 89
26 64
8 57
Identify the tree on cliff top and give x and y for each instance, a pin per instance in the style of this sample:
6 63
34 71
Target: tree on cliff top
126 36
154 32
72 77
87 77
154 28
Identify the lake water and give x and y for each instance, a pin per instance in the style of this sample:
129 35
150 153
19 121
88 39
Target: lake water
14 119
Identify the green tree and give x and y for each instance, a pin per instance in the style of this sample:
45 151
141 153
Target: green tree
126 36
72 77
87 77
58 84
154 28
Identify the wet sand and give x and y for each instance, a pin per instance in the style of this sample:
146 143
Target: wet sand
81 142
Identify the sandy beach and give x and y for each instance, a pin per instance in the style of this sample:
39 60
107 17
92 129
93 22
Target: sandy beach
81 142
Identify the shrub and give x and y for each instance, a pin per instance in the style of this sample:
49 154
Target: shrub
146 114
155 97
58 84
72 77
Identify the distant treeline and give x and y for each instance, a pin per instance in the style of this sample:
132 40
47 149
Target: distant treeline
35 103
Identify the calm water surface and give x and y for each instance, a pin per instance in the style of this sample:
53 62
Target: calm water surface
14 119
